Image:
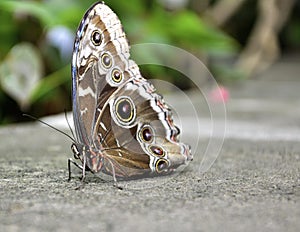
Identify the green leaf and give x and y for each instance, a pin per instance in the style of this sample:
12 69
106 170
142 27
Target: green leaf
185 28
36 9
191 29
50 82
50 13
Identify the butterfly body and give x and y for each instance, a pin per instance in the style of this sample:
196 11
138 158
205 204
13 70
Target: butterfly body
123 127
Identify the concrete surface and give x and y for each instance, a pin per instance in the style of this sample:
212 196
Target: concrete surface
253 186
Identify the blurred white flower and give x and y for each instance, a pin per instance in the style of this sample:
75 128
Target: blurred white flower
62 38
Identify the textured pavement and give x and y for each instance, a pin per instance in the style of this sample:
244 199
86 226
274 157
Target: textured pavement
253 186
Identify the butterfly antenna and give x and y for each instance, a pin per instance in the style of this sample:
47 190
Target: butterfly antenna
70 128
34 118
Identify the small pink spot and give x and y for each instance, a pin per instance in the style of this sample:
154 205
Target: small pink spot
219 94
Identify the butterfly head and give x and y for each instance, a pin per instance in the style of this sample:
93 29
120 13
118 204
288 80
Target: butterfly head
77 150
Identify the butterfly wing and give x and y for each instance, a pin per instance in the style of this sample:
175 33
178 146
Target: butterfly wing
125 126
99 45
142 138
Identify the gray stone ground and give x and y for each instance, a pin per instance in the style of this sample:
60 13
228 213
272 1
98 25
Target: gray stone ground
253 186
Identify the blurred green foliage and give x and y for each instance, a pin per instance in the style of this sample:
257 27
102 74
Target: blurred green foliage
31 21
26 25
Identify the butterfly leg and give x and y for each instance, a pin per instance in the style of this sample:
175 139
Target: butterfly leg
83 169
70 161
114 176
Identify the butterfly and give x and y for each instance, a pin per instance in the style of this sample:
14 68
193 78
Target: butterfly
123 127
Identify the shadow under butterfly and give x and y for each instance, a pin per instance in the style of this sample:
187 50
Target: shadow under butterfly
123 127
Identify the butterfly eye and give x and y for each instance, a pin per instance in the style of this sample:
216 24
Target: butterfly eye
161 165
117 76
157 151
146 134
96 38
106 60
125 110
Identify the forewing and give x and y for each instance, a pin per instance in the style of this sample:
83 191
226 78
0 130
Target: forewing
100 44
